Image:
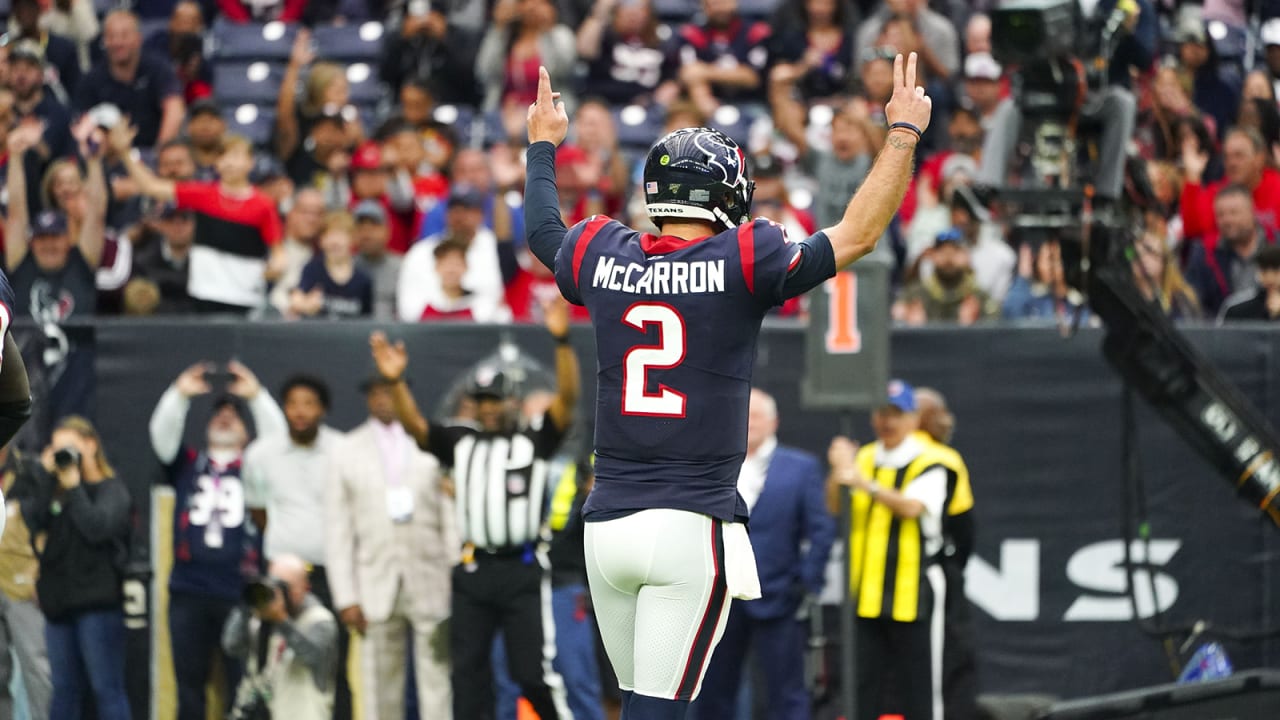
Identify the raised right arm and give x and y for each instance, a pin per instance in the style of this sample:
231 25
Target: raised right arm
881 193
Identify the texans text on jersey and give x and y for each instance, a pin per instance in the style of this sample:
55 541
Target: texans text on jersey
660 277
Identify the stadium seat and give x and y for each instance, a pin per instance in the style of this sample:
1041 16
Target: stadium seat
757 9
638 127
458 119
353 43
239 82
250 41
6 6
147 26
734 122
677 11
363 80
102 7
251 121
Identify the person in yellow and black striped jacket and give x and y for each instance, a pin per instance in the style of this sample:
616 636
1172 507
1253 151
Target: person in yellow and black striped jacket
898 490
959 664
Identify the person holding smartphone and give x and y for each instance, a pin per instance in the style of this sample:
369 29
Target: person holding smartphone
83 510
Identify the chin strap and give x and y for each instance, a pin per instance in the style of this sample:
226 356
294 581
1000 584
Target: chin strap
723 217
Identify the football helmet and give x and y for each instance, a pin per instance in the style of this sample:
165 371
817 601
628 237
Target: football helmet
698 174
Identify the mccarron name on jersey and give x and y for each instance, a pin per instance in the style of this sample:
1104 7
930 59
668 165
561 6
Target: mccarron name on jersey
660 277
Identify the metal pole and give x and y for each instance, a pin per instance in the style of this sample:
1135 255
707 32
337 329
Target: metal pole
848 627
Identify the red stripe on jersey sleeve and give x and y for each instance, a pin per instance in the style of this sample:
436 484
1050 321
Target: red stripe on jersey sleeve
580 249
747 252
795 258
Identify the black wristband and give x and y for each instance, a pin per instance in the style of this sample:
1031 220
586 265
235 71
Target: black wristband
907 126
561 339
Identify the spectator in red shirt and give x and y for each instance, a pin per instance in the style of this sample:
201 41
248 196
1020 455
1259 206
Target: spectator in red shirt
238 228
1245 163
579 199
374 177
605 168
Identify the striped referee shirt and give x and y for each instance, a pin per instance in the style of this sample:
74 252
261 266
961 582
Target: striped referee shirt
500 480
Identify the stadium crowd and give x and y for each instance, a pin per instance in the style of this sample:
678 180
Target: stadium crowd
331 159
309 159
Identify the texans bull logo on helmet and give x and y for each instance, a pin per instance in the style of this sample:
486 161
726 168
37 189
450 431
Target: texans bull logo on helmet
698 174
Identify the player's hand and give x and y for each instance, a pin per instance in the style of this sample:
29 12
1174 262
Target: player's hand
555 312
909 103
547 118
841 454
353 617
391 360
245 384
191 382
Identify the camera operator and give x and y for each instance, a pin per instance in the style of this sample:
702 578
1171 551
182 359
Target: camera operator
1113 107
83 510
289 643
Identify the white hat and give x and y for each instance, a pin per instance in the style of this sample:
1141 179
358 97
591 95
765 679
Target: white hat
982 66
1271 32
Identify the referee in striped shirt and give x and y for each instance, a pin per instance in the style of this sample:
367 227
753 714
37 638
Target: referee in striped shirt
500 476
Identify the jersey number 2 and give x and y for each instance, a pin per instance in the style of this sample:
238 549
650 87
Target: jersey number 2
639 360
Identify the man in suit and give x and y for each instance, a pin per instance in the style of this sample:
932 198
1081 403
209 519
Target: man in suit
392 545
783 488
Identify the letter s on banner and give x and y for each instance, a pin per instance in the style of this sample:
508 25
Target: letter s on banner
843 336
1100 567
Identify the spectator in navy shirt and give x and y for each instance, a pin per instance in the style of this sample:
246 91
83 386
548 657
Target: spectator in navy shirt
626 61
26 77
53 273
724 60
186 19
215 542
61 53
332 285
144 87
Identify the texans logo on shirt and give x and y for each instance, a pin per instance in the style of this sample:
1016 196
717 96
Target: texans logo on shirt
50 305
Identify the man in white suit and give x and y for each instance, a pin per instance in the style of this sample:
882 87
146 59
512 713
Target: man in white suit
391 546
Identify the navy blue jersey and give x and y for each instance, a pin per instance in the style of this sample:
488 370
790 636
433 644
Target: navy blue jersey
216 546
676 325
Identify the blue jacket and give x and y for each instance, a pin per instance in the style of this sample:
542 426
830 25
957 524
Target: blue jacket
791 509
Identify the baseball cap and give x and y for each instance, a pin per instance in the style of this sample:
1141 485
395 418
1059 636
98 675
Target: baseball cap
569 155
767 166
959 163
981 66
466 196
902 396
949 236
265 167
205 105
1190 29
171 210
49 222
490 382
367 157
1271 32
27 50
370 210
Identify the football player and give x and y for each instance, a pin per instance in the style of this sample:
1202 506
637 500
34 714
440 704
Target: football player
677 316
